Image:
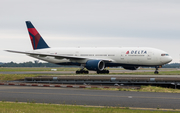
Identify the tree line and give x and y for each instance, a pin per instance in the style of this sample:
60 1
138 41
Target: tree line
28 64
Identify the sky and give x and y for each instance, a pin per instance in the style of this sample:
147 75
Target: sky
90 23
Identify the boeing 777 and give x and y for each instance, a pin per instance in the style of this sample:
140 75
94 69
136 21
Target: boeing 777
95 58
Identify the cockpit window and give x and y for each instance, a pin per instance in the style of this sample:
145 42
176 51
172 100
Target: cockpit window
164 54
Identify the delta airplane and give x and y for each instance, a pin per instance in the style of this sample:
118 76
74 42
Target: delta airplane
95 58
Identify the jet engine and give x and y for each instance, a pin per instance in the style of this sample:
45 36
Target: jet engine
95 65
131 67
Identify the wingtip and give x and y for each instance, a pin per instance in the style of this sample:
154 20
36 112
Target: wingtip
7 50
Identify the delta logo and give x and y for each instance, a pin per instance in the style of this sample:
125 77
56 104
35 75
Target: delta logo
136 52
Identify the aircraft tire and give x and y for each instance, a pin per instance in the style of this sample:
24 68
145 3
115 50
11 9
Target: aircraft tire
107 71
77 72
103 72
82 72
87 72
156 72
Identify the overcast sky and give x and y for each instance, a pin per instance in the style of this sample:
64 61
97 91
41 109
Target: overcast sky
89 23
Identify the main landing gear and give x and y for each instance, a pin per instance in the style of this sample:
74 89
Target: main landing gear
103 72
156 71
82 71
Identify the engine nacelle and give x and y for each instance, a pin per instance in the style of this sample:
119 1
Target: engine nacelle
130 67
95 65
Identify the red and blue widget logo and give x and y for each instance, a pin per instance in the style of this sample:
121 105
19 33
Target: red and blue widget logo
34 36
36 40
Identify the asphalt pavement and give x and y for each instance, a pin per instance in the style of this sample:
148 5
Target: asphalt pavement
75 96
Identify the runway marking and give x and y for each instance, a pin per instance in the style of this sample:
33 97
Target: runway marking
87 95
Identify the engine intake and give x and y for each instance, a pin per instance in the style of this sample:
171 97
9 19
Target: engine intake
95 65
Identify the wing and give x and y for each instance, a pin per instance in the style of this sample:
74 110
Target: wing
59 56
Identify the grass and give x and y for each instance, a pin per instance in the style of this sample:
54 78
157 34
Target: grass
163 71
142 89
9 77
158 89
176 72
9 69
153 89
7 107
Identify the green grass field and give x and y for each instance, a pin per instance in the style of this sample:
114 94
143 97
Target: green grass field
10 77
7 107
173 72
162 71
9 69
142 89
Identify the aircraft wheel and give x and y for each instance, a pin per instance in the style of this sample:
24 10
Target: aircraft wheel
156 72
87 72
107 71
103 72
98 72
82 72
77 72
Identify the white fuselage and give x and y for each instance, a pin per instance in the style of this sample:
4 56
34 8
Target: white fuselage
141 56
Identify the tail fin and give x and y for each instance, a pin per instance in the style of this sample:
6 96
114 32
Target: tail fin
36 39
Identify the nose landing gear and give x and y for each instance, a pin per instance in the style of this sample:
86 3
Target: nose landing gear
156 71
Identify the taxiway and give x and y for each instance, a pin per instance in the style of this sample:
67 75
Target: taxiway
90 97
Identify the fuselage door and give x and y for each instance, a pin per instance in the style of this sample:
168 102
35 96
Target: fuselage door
149 56
122 57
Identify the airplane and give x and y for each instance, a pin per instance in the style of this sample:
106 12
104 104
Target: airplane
95 58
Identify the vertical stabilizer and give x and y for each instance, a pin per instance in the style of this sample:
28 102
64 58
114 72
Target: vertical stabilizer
36 39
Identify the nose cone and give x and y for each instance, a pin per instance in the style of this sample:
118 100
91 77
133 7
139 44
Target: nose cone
168 59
